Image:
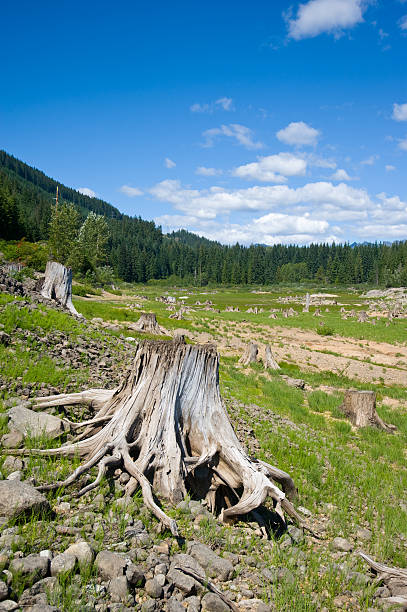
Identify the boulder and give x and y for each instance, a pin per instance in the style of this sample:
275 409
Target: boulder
110 565
18 498
36 423
214 566
213 603
63 564
30 569
82 552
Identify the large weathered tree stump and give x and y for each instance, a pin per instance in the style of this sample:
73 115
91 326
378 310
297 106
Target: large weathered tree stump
148 323
360 407
57 285
250 354
269 362
167 427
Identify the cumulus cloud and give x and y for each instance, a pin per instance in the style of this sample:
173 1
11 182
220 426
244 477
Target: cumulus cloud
281 214
298 133
168 163
224 103
403 144
131 192
403 23
242 134
370 161
204 171
273 168
390 168
341 175
88 192
332 16
400 112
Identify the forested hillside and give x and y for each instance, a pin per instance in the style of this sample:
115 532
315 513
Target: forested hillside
139 251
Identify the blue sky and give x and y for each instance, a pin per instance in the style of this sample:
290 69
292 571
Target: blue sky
270 122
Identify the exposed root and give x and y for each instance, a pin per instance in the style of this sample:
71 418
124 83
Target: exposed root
167 427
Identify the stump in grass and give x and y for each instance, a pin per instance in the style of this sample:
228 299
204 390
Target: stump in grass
362 317
360 407
167 427
269 362
250 354
148 323
57 285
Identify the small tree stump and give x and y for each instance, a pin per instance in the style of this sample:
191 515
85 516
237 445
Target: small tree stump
148 323
269 362
57 285
362 317
250 354
360 407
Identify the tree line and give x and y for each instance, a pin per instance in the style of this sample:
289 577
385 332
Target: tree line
93 237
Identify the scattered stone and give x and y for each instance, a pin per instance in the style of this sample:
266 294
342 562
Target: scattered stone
3 590
36 423
63 564
13 439
8 606
110 565
363 534
254 605
135 575
30 569
215 566
12 464
153 588
173 605
213 603
341 544
119 589
82 552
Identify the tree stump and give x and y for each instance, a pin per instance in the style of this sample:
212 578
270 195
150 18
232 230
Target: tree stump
269 362
307 303
167 427
57 285
362 317
360 407
250 354
148 323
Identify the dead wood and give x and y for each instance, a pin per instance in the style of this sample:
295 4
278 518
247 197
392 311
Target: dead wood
385 570
250 354
362 317
317 312
360 408
148 323
167 427
269 362
57 285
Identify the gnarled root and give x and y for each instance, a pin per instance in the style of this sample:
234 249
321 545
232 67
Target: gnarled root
167 427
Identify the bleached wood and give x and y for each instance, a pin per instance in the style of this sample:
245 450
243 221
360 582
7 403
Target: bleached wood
169 429
269 362
148 323
57 285
250 354
360 407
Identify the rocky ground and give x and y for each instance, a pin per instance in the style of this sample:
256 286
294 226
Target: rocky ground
98 552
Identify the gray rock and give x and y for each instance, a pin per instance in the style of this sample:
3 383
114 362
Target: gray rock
396 604
63 564
82 552
182 581
13 439
135 575
42 608
10 540
18 498
254 605
30 569
153 588
8 606
212 603
193 604
33 423
398 587
119 589
173 605
296 534
110 565
149 605
12 464
160 578
363 534
18 475
215 566
341 544
3 590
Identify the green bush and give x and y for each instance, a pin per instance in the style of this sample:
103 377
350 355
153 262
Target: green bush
324 330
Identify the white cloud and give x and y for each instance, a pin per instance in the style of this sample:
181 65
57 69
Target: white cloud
403 144
400 112
403 23
390 168
168 163
208 203
131 192
88 192
341 175
241 133
204 171
370 161
298 133
200 108
273 168
331 16
224 103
